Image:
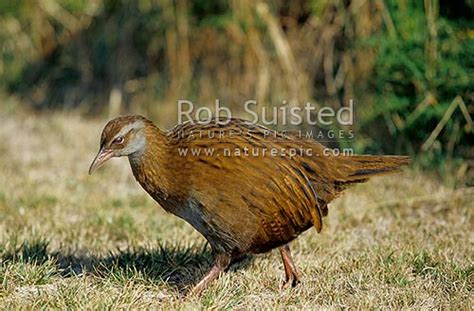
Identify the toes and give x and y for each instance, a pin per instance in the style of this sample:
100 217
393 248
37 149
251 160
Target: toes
289 282
295 281
284 285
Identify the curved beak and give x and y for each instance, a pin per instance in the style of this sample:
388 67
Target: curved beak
102 156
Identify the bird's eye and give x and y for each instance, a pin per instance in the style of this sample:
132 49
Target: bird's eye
118 140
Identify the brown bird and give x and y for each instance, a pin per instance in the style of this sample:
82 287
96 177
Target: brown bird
245 188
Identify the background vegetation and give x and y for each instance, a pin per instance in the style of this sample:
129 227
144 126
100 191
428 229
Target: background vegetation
407 64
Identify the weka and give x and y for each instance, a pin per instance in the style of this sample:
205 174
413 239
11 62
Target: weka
241 204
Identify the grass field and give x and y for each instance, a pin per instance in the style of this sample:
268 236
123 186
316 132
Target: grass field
72 240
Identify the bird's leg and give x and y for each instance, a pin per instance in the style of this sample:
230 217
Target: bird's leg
290 270
221 263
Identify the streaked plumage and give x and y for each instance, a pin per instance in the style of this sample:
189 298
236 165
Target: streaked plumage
240 204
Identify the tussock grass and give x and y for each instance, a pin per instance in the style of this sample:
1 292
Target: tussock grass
72 240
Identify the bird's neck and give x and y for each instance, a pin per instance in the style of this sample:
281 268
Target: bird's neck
149 164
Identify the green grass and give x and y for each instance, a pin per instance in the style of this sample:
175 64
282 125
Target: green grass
69 240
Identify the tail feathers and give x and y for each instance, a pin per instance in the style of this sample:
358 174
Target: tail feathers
329 178
362 167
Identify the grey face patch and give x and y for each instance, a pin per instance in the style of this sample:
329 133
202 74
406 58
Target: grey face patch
137 143
127 128
136 146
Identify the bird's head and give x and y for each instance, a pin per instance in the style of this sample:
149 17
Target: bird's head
122 136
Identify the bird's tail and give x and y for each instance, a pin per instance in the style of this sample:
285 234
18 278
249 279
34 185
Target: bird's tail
344 172
361 167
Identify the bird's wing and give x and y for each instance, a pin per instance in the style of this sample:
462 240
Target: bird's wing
287 180
275 183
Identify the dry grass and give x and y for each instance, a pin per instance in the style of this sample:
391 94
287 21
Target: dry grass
72 240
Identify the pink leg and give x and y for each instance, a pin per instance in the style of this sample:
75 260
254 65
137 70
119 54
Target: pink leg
221 263
290 270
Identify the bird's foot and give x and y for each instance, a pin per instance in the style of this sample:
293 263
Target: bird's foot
291 281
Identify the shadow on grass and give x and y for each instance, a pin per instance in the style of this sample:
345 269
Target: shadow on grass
176 265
